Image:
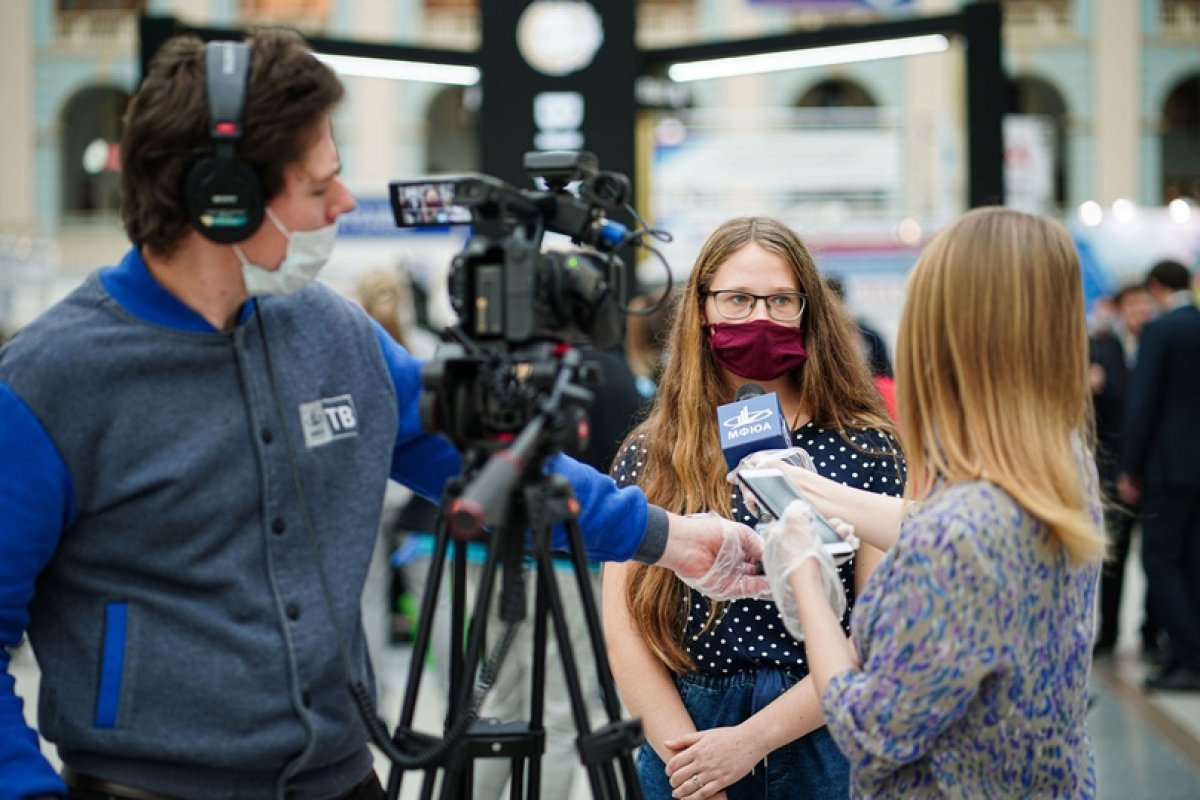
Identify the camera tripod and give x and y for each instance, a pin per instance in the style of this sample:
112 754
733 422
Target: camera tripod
521 504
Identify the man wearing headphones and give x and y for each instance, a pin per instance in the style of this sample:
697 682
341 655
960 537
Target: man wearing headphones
194 447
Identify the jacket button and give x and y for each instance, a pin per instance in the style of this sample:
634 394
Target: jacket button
293 611
278 525
267 436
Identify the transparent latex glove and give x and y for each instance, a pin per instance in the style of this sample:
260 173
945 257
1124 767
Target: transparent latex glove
796 456
735 572
787 544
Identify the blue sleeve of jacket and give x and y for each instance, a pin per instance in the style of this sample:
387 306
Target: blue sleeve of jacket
36 505
613 521
422 461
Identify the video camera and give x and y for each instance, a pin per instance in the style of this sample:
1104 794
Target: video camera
509 391
502 286
517 304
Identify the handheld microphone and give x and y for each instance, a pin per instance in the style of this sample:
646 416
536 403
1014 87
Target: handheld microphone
753 421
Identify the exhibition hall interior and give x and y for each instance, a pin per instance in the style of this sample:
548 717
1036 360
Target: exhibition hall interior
866 126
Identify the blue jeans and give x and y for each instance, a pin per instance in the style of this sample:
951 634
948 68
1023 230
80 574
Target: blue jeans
809 768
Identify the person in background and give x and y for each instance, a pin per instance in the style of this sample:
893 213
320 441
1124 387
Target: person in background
967 675
873 344
646 330
1109 349
194 446
1159 468
875 351
723 690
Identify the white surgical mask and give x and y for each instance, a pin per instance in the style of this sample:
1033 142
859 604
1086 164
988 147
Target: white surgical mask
307 252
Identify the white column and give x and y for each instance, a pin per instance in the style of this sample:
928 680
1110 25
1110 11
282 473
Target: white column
1116 106
16 135
374 105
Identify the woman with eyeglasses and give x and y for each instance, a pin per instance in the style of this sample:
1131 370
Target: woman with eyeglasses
723 691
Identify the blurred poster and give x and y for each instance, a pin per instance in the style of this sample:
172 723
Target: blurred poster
1029 163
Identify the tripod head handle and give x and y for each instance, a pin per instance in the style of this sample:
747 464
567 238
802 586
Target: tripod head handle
485 499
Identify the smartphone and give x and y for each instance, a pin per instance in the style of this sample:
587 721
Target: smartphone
774 492
425 203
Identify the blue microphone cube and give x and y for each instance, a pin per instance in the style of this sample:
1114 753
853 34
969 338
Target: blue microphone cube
747 426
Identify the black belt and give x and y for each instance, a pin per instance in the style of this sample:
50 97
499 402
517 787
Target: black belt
86 787
97 789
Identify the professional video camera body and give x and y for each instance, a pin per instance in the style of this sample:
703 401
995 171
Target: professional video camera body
509 391
517 302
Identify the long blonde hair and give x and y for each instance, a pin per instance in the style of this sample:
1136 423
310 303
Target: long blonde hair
991 368
684 469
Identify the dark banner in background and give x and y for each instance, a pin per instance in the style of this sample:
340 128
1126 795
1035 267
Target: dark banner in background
568 84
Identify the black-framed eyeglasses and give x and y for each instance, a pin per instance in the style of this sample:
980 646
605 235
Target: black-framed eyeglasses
736 304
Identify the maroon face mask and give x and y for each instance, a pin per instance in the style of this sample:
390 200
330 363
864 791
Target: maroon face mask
759 350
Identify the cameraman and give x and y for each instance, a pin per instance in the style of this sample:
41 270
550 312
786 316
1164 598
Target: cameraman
194 447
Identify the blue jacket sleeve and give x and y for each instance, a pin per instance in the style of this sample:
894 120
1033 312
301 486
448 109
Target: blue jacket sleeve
613 521
36 505
422 461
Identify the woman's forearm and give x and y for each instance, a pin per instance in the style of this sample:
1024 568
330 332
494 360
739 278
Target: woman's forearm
643 682
829 651
792 715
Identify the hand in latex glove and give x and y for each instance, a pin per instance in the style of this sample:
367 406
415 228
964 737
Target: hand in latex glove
723 557
787 544
795 456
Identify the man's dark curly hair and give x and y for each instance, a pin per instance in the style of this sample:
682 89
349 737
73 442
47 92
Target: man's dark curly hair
289 93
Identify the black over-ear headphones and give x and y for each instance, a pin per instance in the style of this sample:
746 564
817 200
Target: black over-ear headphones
224 195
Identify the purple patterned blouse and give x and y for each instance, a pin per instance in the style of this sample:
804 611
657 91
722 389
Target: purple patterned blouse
975 642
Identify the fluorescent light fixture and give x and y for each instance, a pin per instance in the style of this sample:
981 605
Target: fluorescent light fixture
401 70
811 57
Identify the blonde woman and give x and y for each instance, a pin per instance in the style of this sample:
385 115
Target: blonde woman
722 690
973 637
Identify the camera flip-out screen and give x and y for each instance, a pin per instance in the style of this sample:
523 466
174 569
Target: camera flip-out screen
418 204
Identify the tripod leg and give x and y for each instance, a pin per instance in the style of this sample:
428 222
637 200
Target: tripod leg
537 696
601 776
608 688
424 634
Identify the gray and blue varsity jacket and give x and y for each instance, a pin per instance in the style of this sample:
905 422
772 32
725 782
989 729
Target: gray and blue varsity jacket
153 547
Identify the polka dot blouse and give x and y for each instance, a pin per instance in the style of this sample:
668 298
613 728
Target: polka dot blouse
750 633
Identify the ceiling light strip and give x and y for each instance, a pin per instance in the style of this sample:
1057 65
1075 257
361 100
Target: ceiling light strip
426 72
809 57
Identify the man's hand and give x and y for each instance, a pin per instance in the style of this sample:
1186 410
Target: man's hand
715 556
1129 489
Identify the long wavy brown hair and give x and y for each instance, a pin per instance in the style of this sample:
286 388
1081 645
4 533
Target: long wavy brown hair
684 469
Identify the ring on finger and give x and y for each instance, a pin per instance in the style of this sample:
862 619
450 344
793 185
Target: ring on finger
696 780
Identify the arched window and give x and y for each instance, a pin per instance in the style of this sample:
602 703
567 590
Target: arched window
90 151
1181 141
836 93
1037 99
452 122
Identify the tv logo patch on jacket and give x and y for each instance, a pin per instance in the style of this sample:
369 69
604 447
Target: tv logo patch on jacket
328 419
